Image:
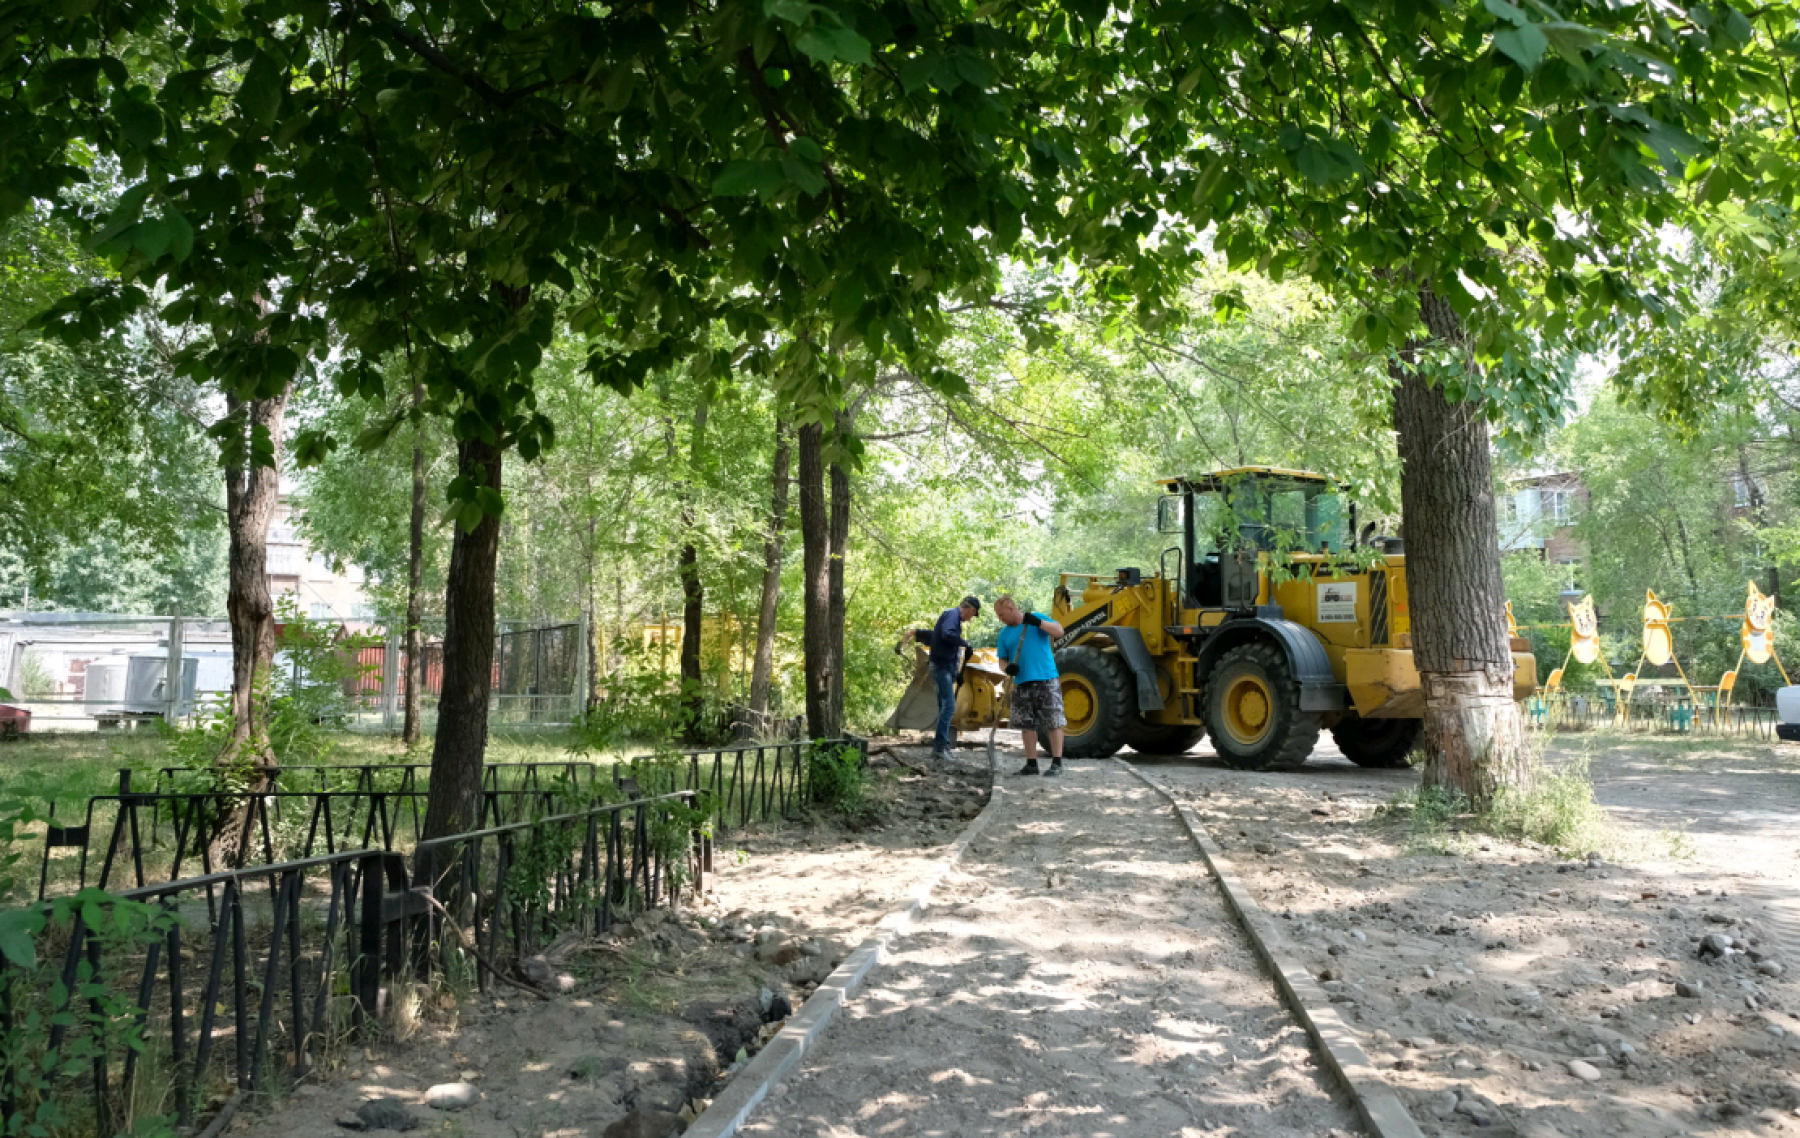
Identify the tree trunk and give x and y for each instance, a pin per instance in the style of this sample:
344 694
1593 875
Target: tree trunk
815 544
693 594
415 585
251 494
1474 735
764 666
454 804
840 537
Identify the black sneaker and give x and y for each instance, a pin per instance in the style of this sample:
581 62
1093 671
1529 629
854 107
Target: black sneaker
1055 770
1030 767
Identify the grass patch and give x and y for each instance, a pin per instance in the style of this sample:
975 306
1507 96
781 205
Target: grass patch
1559 811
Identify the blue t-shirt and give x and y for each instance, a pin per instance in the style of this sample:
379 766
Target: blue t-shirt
1037 661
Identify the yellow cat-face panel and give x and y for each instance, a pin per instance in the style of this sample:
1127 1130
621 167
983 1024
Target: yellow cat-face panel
1659 644
1757 634
1584 630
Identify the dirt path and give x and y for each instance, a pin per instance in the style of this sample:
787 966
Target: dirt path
1557 996
1077 975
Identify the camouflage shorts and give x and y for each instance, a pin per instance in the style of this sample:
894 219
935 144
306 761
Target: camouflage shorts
1037 706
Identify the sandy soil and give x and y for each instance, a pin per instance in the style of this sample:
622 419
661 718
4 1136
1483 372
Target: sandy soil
1480 975
1076 975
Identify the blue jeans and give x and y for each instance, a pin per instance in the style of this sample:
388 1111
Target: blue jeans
946 693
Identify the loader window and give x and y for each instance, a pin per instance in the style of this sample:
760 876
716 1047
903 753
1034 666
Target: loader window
1276 515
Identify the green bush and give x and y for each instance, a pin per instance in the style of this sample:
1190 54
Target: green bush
837 777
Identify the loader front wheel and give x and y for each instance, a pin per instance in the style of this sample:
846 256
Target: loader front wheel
1097 700
1166 738
1253 710
1376 742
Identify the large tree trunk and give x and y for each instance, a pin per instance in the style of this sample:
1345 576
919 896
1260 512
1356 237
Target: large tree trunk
454 804
251 494
1474 735
815 545
840 537
764 665
415 585
693 595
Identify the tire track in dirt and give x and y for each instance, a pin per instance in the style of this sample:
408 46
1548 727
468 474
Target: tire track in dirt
1079 974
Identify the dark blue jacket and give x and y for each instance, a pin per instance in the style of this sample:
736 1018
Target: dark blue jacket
946 640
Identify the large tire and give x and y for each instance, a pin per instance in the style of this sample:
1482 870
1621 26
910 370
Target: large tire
1253 710
1377 742
1166 739
1098 701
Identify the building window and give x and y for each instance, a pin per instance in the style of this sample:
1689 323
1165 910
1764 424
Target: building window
1559 506
362 612
318 611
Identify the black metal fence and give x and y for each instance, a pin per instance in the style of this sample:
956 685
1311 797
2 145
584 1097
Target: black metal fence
177 999
754 782
1663 717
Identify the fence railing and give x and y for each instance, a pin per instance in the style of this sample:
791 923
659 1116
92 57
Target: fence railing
754 782
1584 713
140 839
242 979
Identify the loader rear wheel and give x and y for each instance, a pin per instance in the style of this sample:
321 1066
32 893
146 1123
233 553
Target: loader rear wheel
1253 710
1097 702
1377 742
1167 739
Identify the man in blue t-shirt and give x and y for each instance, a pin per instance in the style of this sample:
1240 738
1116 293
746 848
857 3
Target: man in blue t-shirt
1027 650
946 659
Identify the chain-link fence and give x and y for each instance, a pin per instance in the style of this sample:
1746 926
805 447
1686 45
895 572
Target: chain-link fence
106 671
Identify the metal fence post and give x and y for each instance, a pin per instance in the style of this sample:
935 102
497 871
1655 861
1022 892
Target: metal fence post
578 696
390 680
172 677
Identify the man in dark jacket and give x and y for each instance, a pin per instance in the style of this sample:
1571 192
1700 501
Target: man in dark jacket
946 659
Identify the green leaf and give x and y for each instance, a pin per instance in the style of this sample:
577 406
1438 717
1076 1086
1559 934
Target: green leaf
829 44
17 927
1511 13
747 176
809 178
259 96
1524 45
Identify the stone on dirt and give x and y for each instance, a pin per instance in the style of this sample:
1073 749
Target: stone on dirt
452 1096
1691 991
1586 1072
381 1114
537 970
644 1124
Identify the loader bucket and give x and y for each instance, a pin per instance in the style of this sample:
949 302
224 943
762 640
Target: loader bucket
982 698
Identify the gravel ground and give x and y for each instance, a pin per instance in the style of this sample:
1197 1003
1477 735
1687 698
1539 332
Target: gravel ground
1077 975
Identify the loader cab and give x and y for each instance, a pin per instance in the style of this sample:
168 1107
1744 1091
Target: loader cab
1226 519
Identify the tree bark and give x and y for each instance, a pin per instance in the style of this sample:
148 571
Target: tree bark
415 584
251 494
764 665
815 544
693 594
840 537
1474 735
454 804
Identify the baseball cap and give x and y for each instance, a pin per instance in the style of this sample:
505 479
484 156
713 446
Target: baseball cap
974 603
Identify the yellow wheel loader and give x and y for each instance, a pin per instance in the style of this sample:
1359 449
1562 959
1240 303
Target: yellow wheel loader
1269 620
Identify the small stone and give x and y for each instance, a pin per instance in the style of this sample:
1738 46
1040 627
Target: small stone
1690 991
452 1096
1263 848
564 983
1444 1105
643 1124
384 1114
1476 1110
1770 968
1360 935
1676 913
1429 974
1330 974
1713 944
537 970
1338 949
1584 1071
777 1009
